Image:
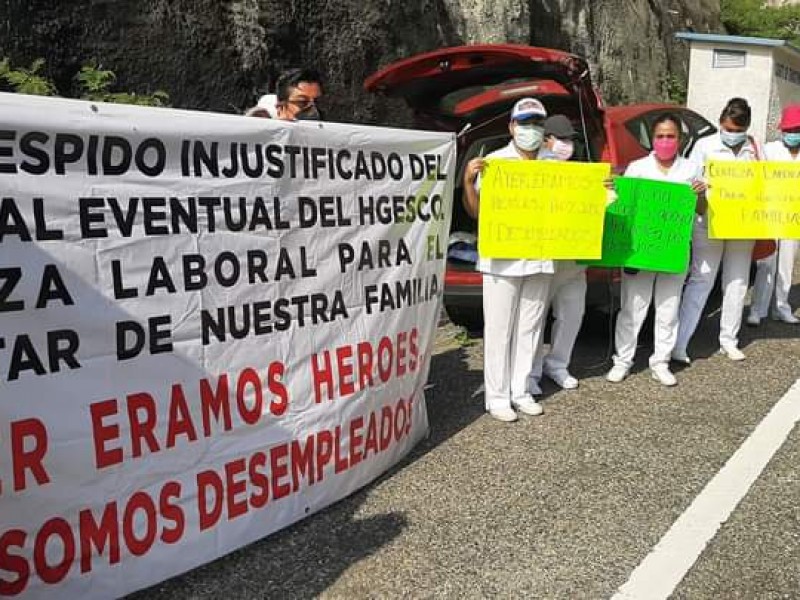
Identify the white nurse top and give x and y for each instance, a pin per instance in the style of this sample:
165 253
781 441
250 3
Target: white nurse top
681 171
712 147
777 150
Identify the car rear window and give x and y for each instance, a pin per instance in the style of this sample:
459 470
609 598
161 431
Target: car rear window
693 127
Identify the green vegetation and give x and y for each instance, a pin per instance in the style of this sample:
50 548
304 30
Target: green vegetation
27 81
752 18
675 87
93 82
463 338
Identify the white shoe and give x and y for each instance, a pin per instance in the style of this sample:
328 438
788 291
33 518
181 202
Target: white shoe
563 379
506 415
786 318
528 405
753 320
663 375
617 373
733 353
681 357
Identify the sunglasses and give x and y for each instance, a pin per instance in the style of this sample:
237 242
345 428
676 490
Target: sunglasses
303 104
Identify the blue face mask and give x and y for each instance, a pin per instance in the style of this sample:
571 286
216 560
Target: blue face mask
545 154
528 137
732 138
791 140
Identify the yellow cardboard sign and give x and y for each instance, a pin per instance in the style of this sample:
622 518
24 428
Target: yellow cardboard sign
542 209
753 200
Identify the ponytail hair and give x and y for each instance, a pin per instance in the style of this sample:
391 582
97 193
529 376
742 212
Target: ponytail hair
738 111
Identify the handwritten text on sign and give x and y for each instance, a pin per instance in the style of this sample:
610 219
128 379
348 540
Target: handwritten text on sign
541 209
649 226
754 200
212 327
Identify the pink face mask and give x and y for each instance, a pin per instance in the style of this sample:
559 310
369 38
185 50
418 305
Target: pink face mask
563 150
665 148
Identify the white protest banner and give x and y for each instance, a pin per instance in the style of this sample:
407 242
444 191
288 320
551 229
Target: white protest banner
211 326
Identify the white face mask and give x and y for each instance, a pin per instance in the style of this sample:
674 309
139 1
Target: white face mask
732 138
563 150
528 137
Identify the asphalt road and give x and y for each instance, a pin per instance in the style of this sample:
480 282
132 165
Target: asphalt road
560 506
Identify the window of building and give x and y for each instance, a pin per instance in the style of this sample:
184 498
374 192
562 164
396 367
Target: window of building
729 59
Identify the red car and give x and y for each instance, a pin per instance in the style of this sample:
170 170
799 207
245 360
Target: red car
471 89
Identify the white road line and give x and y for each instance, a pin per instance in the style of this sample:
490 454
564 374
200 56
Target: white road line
663 569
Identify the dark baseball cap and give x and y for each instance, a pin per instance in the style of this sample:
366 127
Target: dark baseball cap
559 126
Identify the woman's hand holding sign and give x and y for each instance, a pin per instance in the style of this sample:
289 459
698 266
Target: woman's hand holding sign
700 187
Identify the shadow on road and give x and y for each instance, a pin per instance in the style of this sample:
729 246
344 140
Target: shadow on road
301 561
305 559
595 346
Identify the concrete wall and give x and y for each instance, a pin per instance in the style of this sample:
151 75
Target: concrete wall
710 88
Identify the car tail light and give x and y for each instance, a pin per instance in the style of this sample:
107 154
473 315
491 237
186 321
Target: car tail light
462 278
603 275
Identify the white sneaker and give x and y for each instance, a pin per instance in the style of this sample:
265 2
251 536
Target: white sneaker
663 375
505 414
563 379
786 318
681 357
753 320
733 353
528 405
617 373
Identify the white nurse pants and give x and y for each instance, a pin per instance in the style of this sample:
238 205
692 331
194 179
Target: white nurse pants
638 290
774 276
568 301
513 315
735 257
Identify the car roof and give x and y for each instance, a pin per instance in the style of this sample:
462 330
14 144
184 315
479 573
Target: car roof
620 114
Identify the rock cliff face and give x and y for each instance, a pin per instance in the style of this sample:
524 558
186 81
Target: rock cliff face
220 54
629 43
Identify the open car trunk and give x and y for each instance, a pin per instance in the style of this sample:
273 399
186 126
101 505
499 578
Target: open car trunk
451 87
471 89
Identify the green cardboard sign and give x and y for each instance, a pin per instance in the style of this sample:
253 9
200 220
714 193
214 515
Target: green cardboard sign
649 226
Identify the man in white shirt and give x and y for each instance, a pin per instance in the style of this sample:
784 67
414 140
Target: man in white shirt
774 273
731 143
515 292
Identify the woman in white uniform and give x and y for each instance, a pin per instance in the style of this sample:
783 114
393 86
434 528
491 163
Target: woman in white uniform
639 287
735 256
568 290
515 292
774 274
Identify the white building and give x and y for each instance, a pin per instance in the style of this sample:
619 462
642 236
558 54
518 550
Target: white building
764 71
